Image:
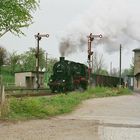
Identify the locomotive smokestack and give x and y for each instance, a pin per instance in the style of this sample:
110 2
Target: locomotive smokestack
62 58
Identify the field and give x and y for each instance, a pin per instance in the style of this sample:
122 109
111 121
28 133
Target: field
44 107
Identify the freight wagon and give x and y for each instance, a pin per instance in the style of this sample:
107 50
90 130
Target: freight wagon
106 81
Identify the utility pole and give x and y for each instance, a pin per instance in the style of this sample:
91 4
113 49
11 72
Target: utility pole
110 68
92 64
1 87
1 84
91 37
120 76
38 37
46 61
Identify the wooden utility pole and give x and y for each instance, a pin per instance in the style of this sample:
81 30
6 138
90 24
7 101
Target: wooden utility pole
110 68
91 37
46 61
38 38
92 64
120 76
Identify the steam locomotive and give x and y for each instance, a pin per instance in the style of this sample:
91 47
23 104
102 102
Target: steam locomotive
68 76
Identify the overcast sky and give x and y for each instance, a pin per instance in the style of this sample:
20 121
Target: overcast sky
73 18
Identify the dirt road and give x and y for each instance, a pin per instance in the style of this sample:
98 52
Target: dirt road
112 118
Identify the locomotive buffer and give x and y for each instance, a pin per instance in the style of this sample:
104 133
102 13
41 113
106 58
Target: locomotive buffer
90 53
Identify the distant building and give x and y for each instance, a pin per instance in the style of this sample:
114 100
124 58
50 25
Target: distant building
137 69
28 79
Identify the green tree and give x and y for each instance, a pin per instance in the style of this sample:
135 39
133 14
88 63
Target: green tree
3 56
104 72
49 68
50 64
125 72
15 14
132 67
130 70
28 60
14 62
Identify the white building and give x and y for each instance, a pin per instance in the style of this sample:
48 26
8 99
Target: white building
28 79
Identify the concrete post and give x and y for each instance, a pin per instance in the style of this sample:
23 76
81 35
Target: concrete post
2 95
2 91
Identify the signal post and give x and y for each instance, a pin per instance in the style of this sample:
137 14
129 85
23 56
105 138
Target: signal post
91 37
38 37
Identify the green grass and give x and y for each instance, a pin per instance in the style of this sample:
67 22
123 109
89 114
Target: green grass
7 76
43 107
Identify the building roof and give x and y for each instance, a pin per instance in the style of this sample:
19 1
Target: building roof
137 74
136 50
130 75
29 71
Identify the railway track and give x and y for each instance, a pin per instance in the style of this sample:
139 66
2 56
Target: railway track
28 93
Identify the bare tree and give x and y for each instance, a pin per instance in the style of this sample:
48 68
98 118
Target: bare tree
98 63
115 72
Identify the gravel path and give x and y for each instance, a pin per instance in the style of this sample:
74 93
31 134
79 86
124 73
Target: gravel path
112 118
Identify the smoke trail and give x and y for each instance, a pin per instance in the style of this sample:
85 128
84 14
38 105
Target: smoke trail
117 20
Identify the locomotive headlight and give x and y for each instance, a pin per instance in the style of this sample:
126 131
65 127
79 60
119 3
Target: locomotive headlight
63 80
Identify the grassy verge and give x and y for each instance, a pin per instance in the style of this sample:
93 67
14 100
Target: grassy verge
43 107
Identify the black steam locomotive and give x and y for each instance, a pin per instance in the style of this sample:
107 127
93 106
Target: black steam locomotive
68 76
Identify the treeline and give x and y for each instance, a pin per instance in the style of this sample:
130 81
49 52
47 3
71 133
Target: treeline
14 62
100 68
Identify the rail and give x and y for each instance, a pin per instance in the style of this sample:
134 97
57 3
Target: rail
25 89
30 95
23 92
